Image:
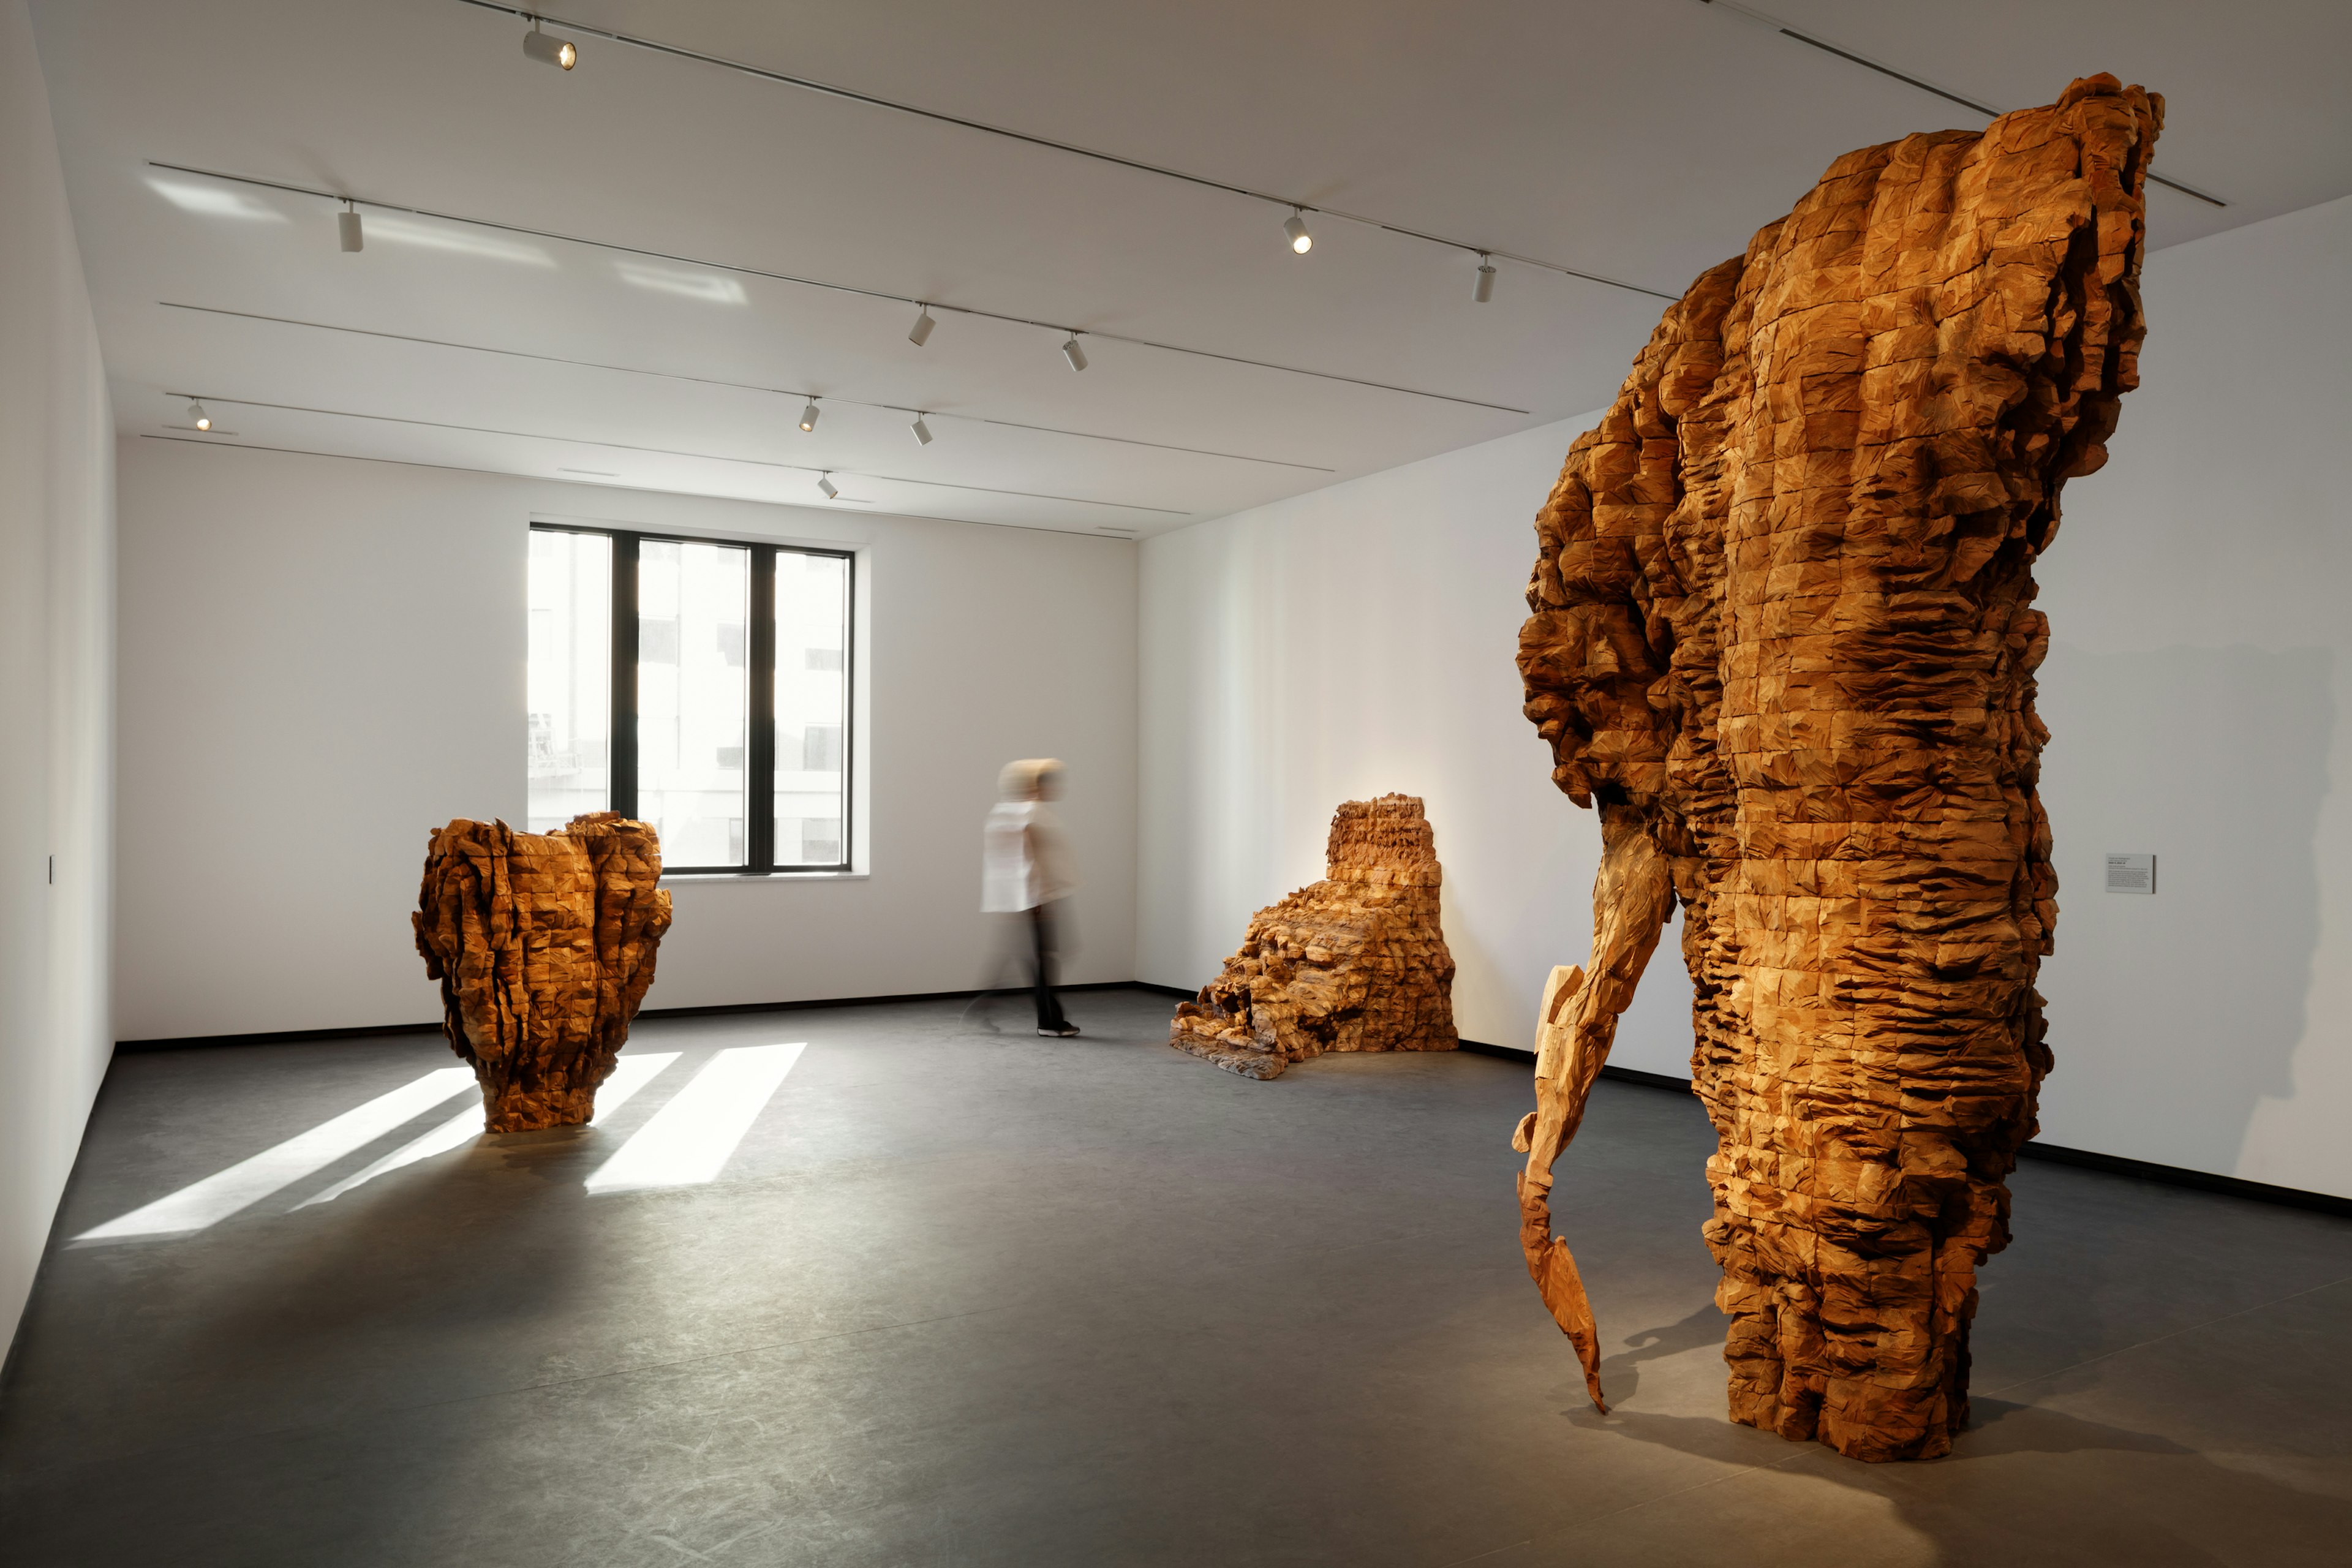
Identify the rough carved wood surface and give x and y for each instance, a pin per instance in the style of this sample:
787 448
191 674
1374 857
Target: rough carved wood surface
1356 962
543 944
1783 632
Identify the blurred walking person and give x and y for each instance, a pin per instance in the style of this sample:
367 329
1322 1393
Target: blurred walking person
1026 872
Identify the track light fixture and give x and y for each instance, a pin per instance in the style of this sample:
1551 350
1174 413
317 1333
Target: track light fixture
808 415
559 52
198 416
511 249
347 229
922 431
563 56
921 333
1295 225
824 482
1485 289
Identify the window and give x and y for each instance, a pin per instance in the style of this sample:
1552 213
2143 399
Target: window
699 685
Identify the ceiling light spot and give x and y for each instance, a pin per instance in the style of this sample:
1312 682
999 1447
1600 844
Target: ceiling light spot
824 483
922 331
808 417
347 229
1074 355
1295 225
458 242
922 431
198 416
214 202
1484 290
708 287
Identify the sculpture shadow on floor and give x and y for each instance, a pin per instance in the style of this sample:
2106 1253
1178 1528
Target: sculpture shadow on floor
1621 1374
2087 1491
299 1338
485 1237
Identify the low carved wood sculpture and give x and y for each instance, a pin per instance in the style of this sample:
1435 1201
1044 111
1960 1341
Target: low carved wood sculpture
1783 632
1356 962
543 944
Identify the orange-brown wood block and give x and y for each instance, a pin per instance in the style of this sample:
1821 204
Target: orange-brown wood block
1356 962
543 944
1781 631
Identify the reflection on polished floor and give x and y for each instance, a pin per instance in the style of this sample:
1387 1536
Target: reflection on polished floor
958 1296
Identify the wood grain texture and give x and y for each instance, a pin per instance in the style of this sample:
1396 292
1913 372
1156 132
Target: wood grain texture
1782 631
543 944
1356 962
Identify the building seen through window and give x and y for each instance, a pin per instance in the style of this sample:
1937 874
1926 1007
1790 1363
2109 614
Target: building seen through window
570 684
693 701
739 657
812 707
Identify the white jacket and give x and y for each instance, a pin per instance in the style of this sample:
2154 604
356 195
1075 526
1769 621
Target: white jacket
1024 859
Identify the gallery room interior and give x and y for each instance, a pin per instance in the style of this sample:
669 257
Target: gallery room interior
1053 783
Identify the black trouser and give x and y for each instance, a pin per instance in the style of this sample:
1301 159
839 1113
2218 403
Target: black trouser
1041 937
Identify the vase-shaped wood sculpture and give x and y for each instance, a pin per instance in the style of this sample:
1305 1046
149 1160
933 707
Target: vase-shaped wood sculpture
1356 962
1782 633
543 944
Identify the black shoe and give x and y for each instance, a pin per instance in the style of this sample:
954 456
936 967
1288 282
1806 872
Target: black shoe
1063 1033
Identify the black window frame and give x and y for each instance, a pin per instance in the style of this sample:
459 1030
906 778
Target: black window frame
760 696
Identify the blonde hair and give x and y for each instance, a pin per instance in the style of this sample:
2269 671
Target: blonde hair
1027 779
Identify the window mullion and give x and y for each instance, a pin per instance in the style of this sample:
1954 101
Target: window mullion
848 704
624 674
760 796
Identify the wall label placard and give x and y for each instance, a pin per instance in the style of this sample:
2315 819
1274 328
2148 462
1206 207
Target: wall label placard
2131 873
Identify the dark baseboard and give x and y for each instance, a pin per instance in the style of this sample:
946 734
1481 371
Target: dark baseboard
2056 1154
2202 1181
730 1008
1622 1075
1158 990
376 1031
281 1038
1648 1080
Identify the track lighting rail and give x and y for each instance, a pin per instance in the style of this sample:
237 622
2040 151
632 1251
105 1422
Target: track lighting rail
1766 19
932 412
874 100
1066 329
672 452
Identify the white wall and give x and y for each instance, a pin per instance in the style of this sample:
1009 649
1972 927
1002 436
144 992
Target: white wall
56 562
1349 642
1361 639
322 660
2199 594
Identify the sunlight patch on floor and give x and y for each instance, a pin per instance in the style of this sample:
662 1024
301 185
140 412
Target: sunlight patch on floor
207 1202
690 1140
630 1074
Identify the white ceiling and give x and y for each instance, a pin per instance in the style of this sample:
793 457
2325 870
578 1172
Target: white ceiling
1641 141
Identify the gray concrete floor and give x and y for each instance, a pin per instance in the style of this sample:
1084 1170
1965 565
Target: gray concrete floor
965 1298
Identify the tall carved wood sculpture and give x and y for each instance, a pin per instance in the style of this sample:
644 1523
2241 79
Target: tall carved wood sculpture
1782 633
1356 962
543 944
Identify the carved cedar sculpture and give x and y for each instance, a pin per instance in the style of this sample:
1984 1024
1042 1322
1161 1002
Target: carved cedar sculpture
1354 963
543 944
1783 632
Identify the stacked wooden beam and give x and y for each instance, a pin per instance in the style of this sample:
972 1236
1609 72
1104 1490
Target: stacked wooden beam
543 944
1356 962
1783 632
